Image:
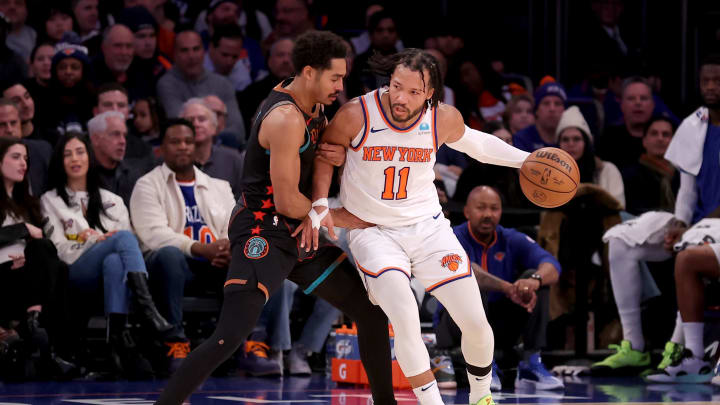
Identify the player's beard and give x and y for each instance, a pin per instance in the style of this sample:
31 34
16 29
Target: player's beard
410 116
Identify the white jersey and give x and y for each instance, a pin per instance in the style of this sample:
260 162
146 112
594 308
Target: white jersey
388 176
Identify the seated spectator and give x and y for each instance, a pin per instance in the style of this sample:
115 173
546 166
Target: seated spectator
361 42
165 25
292 18
253 22
12 65
90 228
114 97
280 66
39 83
21 37
181 217
651 184
651 236
56 21
622 144
188 79
33 280
38 151
479 95
519 113
16 92
575 138
216 161
383 36
550 102
224 56
504 179
88 25
72 98
148 64
513 274
107 137
146 121
116 55
217 106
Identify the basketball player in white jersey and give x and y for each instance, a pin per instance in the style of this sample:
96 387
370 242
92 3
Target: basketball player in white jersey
392 135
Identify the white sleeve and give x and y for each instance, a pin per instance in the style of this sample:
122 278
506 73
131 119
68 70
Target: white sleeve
686 198
488 148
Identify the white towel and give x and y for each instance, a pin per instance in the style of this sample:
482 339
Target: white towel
686 148
647 228
706 231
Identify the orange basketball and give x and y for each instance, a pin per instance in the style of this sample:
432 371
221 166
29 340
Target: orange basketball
549 177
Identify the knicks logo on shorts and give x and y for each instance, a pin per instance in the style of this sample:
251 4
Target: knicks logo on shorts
256 247
451 261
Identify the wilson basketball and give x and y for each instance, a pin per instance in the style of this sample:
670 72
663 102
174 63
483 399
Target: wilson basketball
549 177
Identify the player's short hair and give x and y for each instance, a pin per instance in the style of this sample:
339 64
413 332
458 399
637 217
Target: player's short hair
316 49
172 122
416 60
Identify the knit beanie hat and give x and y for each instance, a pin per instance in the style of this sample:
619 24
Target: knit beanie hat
572 117
66 50
550 89
136 18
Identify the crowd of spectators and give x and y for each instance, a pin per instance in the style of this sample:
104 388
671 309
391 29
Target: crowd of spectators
122 132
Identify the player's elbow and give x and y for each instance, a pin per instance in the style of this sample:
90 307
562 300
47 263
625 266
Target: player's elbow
285 207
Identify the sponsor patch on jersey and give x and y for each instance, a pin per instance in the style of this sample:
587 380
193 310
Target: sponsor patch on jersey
256 247
451 261
424 126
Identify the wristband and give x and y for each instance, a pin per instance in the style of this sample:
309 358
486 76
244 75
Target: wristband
320 202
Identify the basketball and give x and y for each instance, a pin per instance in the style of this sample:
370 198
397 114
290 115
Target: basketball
549 177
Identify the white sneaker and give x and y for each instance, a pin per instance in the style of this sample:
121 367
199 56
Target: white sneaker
686 369
716 374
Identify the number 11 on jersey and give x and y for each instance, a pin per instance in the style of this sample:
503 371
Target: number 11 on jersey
388 193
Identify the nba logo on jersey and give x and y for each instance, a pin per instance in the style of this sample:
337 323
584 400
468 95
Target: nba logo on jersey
451 261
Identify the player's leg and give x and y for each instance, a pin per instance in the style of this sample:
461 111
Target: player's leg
442 266
691 266
386 271
257 269
331 277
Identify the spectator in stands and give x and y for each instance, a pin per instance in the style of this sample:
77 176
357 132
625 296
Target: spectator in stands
33 280
18 94
217 106
40 71
88 24
479 95
90 228
503 179
71 97
216 161
114 97
57 22
383 36
448 93
651 184
550 101
254 23
509 266
280 66
12 65
165 26
188 79
361 43
181 217
38 151
292 18
107 137
148 64
146 121
224 56
117 51
622 144
21 38
575 138
519 113
654 234
447 39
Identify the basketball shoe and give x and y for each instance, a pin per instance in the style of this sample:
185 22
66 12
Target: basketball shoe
685 369
673 352
444 371
532 373
625 361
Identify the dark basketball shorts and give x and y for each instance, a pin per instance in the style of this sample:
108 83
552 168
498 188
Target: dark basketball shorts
264 254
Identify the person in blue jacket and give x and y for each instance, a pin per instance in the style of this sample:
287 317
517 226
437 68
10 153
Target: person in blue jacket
514 274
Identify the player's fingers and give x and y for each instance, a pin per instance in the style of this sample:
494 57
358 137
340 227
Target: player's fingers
331 231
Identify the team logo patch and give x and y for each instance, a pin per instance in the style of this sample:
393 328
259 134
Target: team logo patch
256 247
499 256
451 261
424 126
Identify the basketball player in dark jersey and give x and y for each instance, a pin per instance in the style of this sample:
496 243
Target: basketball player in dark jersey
276 189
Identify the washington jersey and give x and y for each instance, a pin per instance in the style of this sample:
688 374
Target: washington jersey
388 176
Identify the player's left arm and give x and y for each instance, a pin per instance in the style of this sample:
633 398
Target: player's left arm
485 148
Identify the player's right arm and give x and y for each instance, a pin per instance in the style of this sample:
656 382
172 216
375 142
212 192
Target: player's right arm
282 132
